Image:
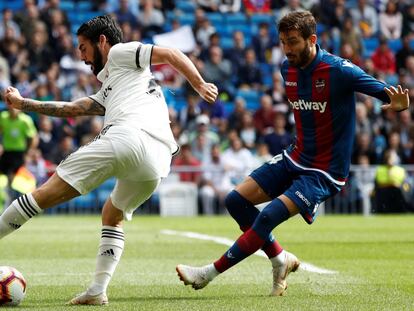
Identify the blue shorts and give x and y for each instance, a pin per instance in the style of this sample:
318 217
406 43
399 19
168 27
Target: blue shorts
306 188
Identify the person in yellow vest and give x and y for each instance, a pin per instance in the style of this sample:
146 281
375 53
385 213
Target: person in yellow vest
18 134
390 185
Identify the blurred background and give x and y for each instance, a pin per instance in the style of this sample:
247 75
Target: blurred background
235 45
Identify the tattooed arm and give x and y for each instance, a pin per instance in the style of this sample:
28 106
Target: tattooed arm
81 107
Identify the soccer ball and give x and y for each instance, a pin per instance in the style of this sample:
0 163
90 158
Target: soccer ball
12 286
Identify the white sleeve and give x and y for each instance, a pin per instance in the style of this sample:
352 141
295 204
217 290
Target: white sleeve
98 98
132 54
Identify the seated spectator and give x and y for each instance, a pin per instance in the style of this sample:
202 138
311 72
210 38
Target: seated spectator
237 160
408 21
124 14
291 6
187 165
278 138
236 53
253 6
366 18
263 43
65 148
390 21
402 54
209 5
350 36
390 185
151 19
215 183
247 132
218 70
249 74
236 116
215 111
384 59
229 6
264 116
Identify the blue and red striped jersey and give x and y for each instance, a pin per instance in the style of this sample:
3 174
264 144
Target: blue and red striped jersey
322 97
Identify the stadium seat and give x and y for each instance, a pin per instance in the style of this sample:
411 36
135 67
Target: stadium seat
84 6
13 5
216 19
185 6
67 6
101 196
84 203
251 97
370 44
261 18
236 19
226 42
186 19
395 45
108 184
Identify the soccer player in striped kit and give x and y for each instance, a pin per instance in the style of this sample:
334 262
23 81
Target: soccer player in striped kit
135 145
320 90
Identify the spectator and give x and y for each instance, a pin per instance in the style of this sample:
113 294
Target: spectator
215 111
408 21
215 183
291 6
403 53
389 181
349 35
218 70
237 160
390 21
384 59
247 132
278 138
190 166
262 43
37 165
189 113
236 53
236 116
209 5
257 6
366 19
204 32
249 74
125 15
229 6
151 19
264 116
19 135
8 22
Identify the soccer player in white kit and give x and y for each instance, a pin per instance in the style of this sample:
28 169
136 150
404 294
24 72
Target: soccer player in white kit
135 145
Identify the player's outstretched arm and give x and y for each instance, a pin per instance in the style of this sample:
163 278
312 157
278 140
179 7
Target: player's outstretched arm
399 99
183 64
81 107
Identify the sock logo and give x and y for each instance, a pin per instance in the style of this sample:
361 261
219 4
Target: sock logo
230 255
109 252
14 226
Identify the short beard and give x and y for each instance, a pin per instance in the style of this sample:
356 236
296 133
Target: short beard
304 56
97 62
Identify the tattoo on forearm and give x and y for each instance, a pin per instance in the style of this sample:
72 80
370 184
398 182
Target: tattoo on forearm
80 107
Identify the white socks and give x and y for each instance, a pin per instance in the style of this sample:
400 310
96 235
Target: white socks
109 254
18 212
279 259
211 271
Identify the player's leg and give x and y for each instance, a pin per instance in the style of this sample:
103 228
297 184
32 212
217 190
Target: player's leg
126 197
53 192
241 202
276 212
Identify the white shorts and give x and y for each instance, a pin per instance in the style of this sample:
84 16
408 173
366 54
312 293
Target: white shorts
135 158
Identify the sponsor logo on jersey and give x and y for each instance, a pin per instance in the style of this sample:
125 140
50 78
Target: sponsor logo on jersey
305 105
303 198
291 83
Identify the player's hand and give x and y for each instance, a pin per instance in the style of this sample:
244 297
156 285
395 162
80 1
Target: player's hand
208 91
13 98
399 99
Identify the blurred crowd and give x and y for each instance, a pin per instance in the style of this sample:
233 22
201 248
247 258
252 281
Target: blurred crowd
237 48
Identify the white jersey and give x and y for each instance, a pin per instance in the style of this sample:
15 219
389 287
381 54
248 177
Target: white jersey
130 94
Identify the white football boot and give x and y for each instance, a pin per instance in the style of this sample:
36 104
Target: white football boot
194 276
280 273
86 299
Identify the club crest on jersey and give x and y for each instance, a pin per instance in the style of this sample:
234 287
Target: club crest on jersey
319 85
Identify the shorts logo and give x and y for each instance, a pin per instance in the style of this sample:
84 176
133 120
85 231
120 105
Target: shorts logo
303 198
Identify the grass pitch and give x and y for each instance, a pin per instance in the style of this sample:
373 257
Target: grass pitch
374 257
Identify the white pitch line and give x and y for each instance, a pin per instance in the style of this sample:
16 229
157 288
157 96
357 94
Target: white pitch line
224 241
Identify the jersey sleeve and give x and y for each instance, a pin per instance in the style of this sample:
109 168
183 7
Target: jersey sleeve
29 127
134 55
98 97
359 81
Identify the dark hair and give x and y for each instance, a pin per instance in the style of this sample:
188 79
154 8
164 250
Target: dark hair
303 21
101 25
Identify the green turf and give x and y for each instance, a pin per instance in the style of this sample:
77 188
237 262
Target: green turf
374 257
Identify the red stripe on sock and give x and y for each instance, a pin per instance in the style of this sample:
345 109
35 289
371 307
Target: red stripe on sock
222 264
249 242
273 249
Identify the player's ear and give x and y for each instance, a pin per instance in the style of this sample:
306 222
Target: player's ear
313 39
102 41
